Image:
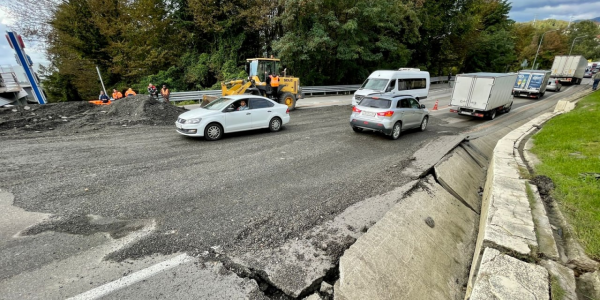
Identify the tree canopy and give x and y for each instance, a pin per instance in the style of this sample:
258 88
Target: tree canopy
195 44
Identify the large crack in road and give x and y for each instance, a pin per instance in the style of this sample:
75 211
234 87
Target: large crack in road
250 195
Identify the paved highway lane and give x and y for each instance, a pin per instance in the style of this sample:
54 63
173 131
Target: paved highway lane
247 191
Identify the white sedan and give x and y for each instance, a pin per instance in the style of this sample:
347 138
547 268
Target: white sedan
233 114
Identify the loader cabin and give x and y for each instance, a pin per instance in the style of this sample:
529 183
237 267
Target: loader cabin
261 67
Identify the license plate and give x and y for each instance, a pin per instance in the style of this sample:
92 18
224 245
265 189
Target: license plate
465 113
368 114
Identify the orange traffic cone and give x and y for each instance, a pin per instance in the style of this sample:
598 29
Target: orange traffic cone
435 106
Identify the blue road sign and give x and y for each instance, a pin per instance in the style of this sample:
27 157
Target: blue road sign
17 44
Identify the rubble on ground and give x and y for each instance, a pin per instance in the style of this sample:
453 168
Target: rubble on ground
83 116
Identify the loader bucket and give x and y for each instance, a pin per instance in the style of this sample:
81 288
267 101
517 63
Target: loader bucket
207 99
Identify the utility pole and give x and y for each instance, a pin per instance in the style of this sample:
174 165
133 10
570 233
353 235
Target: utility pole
100 76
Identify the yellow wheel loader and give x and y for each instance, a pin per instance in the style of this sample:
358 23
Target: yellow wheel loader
259 69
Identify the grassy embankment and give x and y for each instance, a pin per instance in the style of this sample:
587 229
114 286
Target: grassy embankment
569 148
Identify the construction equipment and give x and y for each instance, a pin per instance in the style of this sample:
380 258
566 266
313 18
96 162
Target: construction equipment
259 69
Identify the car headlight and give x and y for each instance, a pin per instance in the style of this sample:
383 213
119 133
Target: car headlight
193 121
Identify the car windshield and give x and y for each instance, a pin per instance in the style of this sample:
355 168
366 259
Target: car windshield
218 104
375 103
376 84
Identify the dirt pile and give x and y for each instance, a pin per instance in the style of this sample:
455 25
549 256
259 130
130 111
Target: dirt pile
83 116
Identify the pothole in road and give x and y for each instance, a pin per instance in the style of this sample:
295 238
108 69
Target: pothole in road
86 225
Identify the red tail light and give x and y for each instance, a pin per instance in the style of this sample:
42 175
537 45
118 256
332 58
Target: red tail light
355 109
287 111
388 113
555 81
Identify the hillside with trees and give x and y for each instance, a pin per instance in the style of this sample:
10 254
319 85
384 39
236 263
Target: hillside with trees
195 44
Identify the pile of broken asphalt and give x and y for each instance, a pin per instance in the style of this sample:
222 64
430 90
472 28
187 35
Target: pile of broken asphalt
82 116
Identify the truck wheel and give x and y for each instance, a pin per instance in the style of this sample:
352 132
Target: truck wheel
506 110
289 100
492 114
578 82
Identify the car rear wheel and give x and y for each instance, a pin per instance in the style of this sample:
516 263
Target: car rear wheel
396 131
424 124
275 124
356 129
213 132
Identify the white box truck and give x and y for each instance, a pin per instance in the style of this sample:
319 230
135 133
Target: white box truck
531 83
569 68
483 94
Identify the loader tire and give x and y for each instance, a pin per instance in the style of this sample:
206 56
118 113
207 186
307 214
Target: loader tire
289 100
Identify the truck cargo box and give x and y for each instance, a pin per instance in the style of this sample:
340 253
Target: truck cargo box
569 68
483 94
531 83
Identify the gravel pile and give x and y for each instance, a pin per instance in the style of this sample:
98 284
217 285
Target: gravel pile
83 116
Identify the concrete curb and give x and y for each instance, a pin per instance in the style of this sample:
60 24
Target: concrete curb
513 222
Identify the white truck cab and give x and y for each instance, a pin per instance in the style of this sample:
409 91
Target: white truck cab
404 81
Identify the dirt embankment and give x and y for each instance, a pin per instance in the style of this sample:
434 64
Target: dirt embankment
71 117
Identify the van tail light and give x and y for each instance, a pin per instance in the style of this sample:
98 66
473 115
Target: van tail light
388 113
287 111
355 109
555 81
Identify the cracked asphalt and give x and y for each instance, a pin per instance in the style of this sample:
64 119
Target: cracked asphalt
248 191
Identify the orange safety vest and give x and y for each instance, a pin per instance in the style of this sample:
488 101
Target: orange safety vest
130 92
274 80
117 95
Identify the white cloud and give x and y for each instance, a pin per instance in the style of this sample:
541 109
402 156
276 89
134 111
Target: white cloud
523 11
6 18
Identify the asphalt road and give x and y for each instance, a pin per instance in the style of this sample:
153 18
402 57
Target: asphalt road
247 191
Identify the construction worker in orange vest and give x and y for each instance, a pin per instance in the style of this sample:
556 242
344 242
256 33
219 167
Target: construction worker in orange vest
116 94
274 82
130 92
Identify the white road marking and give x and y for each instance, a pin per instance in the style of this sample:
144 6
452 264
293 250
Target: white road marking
131 279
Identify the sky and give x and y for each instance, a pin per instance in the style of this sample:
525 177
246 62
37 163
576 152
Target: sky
527 10
522 11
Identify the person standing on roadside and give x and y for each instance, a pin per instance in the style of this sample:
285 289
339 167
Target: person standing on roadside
116 94
596 81
152 91
165 93
129 93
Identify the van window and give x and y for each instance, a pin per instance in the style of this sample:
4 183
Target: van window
376 84
391 86
376 103
412 84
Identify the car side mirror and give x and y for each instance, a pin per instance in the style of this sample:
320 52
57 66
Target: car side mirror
229 109
422 105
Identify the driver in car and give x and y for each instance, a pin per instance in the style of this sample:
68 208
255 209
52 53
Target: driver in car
243 106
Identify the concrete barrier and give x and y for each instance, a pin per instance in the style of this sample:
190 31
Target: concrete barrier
418 250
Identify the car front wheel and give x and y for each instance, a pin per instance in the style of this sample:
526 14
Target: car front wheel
424 124
213 132
275 124
396 130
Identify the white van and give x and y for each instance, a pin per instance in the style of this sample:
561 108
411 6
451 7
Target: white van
405 81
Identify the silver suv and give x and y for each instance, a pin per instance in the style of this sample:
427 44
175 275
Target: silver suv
390 114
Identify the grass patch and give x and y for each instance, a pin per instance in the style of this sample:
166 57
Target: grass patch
524 173
556 291
569 149
186 102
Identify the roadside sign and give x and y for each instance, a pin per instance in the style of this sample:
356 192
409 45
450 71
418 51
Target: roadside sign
16 42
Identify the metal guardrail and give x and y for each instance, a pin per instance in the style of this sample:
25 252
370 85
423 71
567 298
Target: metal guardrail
306 90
